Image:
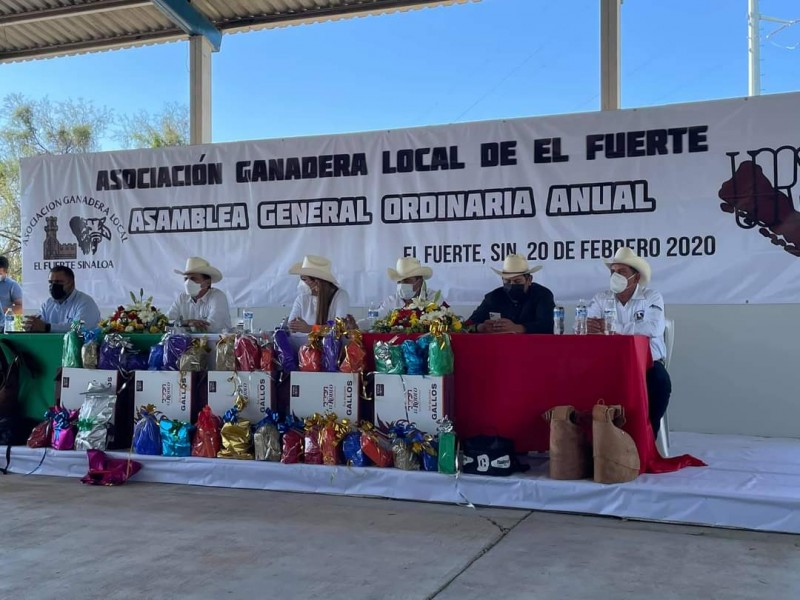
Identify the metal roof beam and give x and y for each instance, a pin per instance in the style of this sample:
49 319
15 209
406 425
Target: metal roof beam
62 12
190 20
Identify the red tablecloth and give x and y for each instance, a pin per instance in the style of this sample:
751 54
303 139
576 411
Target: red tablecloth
503 384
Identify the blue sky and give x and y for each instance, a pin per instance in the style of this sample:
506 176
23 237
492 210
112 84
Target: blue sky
485 60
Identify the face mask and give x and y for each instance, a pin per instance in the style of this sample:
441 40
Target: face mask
192 287
2 278
515 291
618 283
303 288
57 291
405 290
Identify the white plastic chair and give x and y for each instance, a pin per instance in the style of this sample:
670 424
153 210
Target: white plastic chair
662 442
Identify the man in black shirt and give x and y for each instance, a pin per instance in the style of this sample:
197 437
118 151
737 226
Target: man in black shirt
520 306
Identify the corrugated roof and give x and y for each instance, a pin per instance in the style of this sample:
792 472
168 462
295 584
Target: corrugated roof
31 29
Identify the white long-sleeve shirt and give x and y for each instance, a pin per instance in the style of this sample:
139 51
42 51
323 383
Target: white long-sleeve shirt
642 315
394 301
305 307
212 307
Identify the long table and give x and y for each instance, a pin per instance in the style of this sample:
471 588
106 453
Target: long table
505 382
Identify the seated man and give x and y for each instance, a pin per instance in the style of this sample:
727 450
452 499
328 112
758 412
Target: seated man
639 311
65 305
200 306
410 277
520 306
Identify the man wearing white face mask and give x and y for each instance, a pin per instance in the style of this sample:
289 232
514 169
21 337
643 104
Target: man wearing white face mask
201 307
640 311
410 276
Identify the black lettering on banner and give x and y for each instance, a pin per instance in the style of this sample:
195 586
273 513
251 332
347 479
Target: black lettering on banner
538 251
183 219
599 198
470 205
494 154
301 167
409 160
144 178
548 150
650 142
409 251
452 253
319 212
644 247
694 246
499 250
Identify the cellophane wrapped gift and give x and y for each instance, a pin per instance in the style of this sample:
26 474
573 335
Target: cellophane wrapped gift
440 353
155 360
43 432
94 419
207 440
237 439
196 356
309 356
111 352
332 346
424 445
226 359
71 353
175 344
376 446
292 440
312 453
90 351
248 353
415 359
176 438
133 360
354 354
146 434
266 356
403 457
287 359
389 358
267 438
104 470
447 447
63 437
351 448
330 439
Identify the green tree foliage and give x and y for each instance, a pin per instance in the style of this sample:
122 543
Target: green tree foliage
32 127
170 127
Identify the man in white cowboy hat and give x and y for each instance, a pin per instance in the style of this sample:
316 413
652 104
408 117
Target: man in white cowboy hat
410 276
520 305
200 306
320 299
639 311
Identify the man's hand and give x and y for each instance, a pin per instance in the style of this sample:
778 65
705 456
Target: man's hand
500 326
298 325
35 325
198 324
595 325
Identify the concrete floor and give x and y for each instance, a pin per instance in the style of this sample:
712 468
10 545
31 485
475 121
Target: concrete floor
60 539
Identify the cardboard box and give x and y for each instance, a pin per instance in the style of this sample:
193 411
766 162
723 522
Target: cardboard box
74 383
421 399
258 386
171 392
324 393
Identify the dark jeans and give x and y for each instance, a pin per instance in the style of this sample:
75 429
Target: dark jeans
659 388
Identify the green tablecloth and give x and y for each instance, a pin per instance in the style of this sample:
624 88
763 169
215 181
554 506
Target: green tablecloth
41 354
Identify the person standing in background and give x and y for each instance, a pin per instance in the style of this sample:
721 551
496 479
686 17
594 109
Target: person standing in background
10 290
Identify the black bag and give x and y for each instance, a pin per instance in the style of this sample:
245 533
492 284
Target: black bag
490 455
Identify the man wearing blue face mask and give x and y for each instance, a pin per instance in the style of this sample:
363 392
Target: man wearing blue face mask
201 307
410 276
65 305
639 311
10 292
520 306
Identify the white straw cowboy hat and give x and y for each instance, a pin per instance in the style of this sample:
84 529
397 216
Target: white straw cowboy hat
626 256
200 266
409 267
318 267
516 264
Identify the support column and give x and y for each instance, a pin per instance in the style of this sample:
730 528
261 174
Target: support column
753 49
609 54
200 90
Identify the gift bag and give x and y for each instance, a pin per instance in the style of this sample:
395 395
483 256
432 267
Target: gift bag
267 438
446 444
225 357
95 416
146 433
207 440
63 437
248 353
175 344
312 452
292 440
71 353
237 439
287 359
90 351
376 446
354 354
104 470
176 438
43 432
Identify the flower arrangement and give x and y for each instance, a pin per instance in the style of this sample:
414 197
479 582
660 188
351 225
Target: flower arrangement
138 317
417 317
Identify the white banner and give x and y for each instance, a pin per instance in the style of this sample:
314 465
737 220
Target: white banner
706 192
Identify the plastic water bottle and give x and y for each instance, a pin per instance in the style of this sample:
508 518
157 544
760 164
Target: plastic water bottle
581 316
8 321
558 320
247 317
372 312
609 317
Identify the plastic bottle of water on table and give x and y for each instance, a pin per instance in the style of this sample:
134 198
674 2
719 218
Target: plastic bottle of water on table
609 317
558 320
9 325
581 316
